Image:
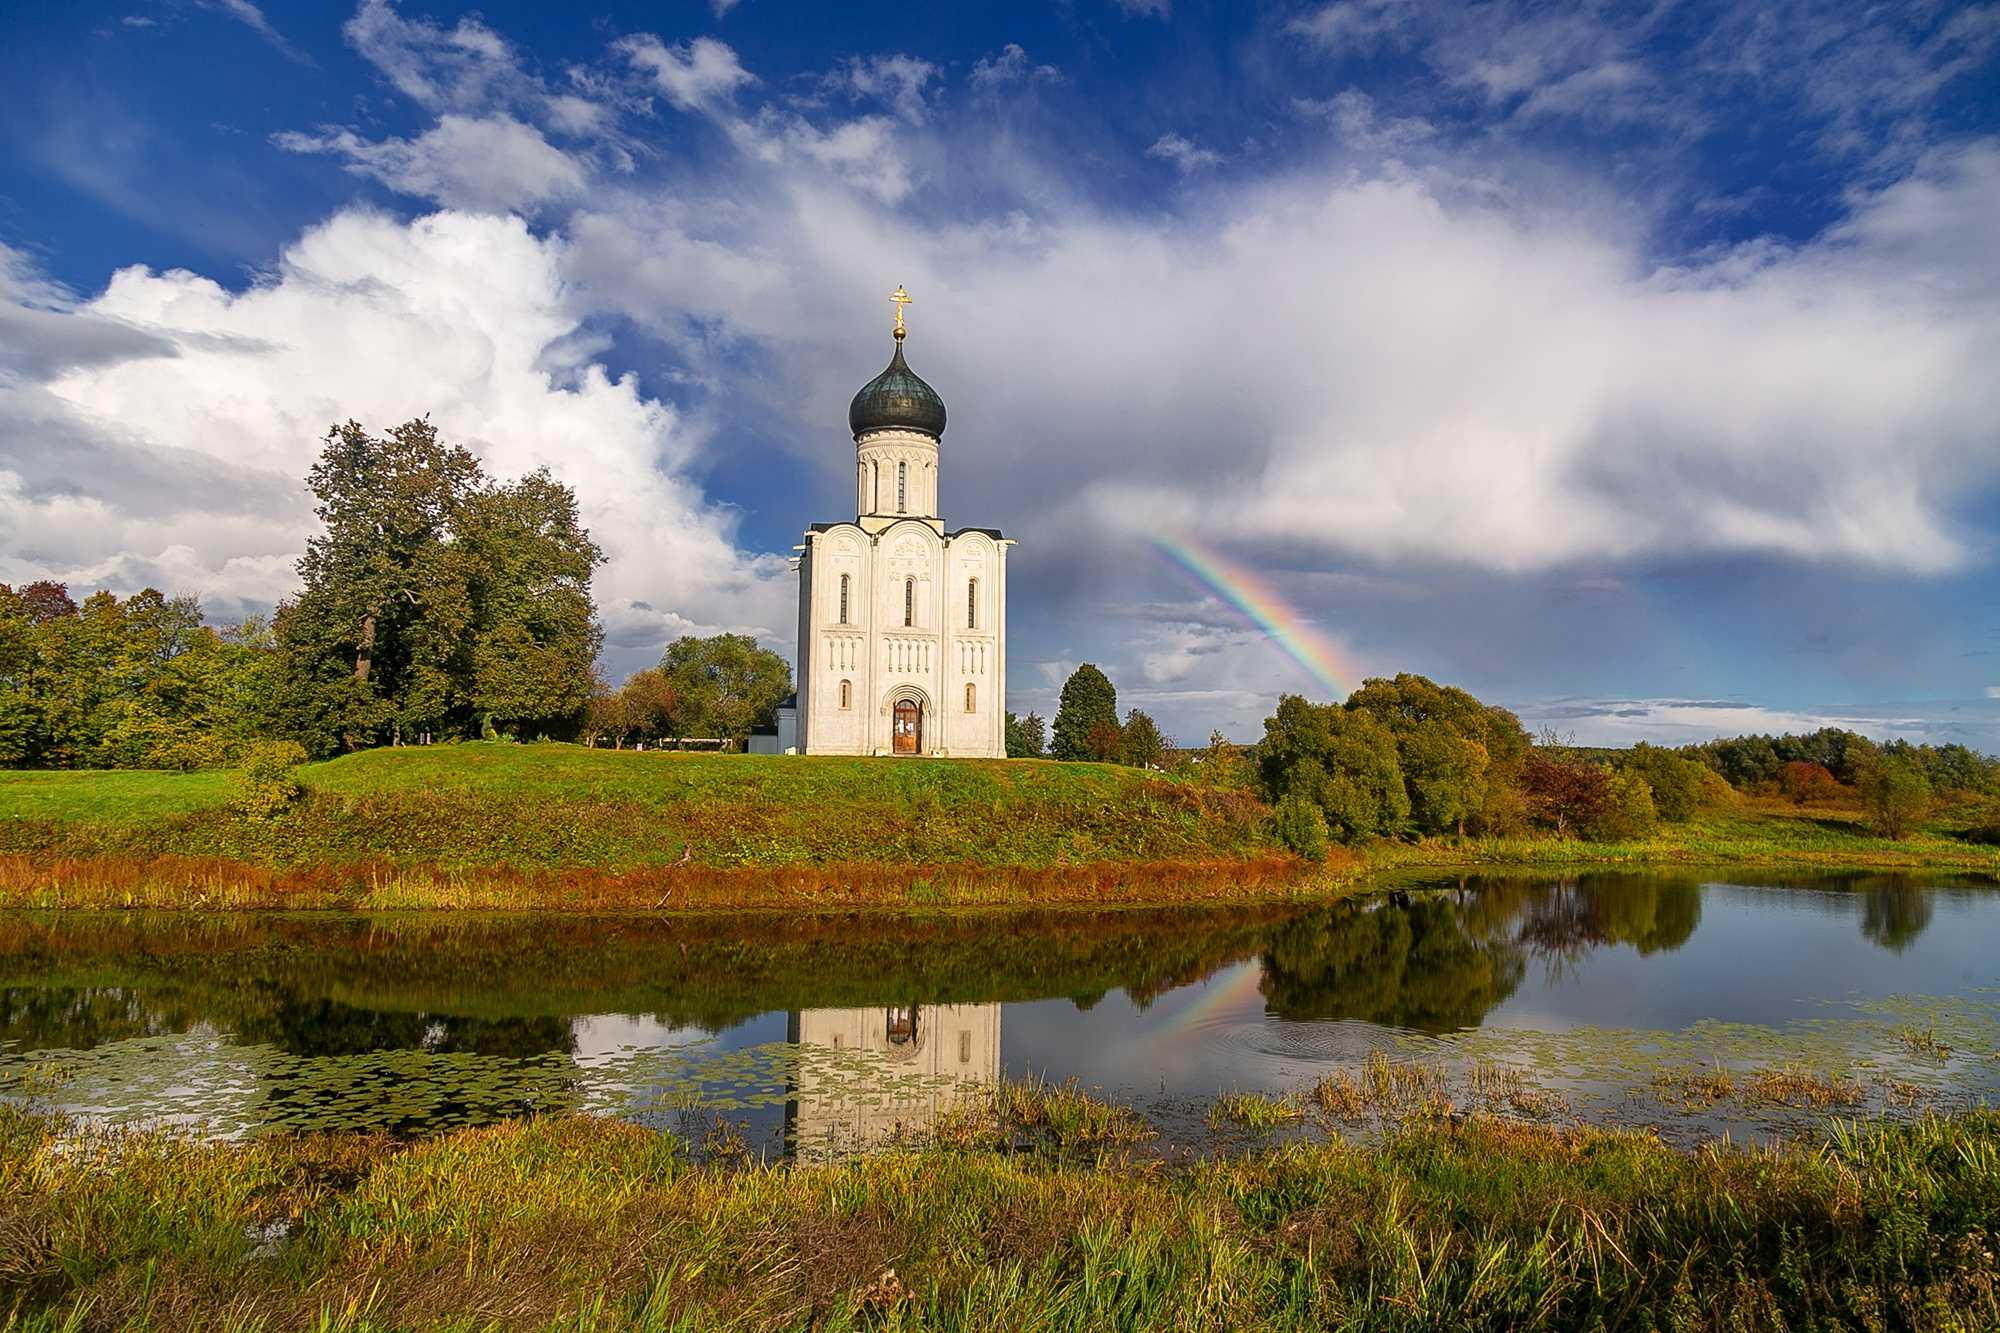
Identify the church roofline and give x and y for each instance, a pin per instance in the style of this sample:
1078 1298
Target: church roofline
814 529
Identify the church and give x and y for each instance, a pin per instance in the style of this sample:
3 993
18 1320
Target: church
902 624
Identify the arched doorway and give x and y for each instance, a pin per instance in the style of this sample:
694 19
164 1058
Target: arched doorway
907 727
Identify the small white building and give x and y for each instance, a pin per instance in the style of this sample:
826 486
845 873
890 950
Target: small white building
902 624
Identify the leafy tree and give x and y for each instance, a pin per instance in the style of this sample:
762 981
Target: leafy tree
140 682
1806 782
1677 782
1451 747
1087 700
1340 760
1567 796
722 685
434 599
1105 744
1894 793
1142 742
1628 809
649 706
1026 736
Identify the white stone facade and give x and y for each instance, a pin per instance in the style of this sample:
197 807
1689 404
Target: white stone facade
902 625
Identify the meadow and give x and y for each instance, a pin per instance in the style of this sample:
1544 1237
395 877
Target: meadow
497 826
572 1223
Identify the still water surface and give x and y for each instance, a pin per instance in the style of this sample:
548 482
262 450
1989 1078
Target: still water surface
818 1033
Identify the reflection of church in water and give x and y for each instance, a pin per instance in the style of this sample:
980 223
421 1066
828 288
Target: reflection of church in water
869 1076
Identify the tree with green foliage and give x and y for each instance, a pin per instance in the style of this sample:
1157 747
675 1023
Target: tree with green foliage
1141 740
1676 781
1452 749
1300 826
1628 809
134 683
1894 793
649 707
1343 761
1088 700
1027 737
723 685
435 600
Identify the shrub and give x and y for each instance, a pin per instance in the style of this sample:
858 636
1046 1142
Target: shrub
268 782
1807 783
1301 827
1566 796
1628 809
187 753
1895 794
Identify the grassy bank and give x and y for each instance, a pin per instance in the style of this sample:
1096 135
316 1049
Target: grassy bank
506 826
1757 831
559 827
581 1224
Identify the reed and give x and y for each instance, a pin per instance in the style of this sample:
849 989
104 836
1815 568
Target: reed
581 1224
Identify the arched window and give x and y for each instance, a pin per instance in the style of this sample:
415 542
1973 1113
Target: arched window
902 488
909 602
971 698
843 599
847 694
874 487
972 603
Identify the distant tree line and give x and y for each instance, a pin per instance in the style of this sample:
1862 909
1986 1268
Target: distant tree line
1408 757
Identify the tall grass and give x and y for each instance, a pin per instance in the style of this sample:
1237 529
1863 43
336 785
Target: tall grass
591 1225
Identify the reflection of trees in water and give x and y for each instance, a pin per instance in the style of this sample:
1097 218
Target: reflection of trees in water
1440 962
1561 923
316 1026
76 1018
1432 964
1894 914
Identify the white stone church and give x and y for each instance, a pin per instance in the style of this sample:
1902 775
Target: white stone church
902 624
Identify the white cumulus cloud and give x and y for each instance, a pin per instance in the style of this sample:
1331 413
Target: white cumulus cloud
464 318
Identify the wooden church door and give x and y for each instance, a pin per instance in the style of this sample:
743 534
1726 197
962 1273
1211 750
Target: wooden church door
908 729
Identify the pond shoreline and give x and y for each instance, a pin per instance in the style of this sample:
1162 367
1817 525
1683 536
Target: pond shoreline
589 1224
120 882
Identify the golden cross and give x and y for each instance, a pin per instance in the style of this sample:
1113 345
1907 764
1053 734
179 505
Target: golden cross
901 298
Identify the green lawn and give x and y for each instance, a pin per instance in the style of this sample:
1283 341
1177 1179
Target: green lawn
122 796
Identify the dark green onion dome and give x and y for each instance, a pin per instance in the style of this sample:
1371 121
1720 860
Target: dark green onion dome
897 400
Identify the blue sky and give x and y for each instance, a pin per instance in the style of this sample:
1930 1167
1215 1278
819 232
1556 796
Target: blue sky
1630 365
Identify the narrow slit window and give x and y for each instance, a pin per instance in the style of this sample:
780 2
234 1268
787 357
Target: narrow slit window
971 699
909 602
972 603
847 694
902 488
843 599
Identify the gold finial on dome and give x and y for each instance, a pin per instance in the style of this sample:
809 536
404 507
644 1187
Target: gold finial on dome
901 298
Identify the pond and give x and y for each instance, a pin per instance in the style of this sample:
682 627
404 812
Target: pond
1753 1006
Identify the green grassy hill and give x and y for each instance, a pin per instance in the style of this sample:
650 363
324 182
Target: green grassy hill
557 806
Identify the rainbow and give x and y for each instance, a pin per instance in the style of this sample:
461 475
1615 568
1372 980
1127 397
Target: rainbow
1220 996
1265 609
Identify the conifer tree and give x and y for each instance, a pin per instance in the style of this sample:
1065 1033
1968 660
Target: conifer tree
1088 699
